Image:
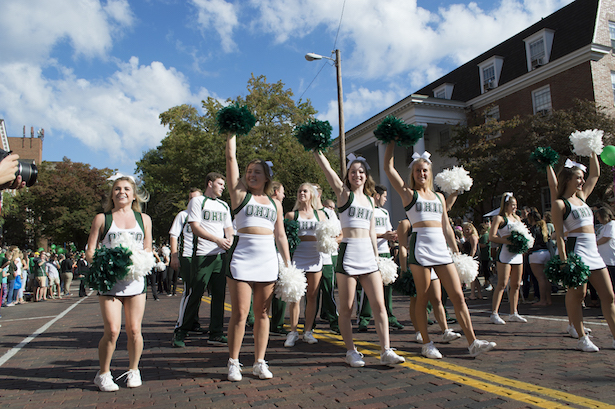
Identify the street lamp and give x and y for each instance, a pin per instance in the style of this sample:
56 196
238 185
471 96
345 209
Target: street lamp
340 103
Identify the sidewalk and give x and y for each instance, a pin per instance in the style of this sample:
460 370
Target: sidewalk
534 365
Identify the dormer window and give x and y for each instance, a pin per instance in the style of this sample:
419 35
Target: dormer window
538 48
444 91
490 73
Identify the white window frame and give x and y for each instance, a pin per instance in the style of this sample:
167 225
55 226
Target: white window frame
542 109
497 62
546 35
445 89
613 84
612 33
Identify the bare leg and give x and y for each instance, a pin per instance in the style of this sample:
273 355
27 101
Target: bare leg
498 291
435 297
262 295
516 275
450 281
372 284
241 295
602 283
111 311
134 308
422 281
346 287
574 298
543 284
311 295
293 309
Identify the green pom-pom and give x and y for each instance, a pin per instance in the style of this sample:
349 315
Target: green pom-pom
544 157
292 234
573 274
519 243
405 284
235 119
314 135
109 267
393 129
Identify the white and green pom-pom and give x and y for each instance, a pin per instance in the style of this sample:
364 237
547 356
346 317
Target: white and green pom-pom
520 238
467 267
326 233
142 261
388 270
584 143
291 284
454 180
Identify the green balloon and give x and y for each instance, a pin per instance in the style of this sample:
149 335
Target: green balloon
53 247
40 249
608 155
61 250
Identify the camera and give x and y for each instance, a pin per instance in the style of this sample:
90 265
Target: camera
27 171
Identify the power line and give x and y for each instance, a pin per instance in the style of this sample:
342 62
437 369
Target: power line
339 26
308 87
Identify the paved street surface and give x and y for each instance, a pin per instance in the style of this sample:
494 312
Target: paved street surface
48 359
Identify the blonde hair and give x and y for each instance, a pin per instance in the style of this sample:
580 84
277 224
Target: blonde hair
313 196
370 185
415 162
504 202
268 189
564 176
140 196
472 228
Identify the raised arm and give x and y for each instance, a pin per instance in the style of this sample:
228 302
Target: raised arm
450 200
552 180
234 184
334 180
592 177
389 168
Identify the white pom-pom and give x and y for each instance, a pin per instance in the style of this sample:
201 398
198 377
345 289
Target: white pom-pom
166 251
160 266
326 233
453 180
586 142
291 284
522 228
388 270
466 266
142 261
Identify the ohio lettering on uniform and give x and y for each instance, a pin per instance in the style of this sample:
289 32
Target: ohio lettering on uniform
360 213
429 207
213 216
307 225
380 221
581 212
138 236
261 212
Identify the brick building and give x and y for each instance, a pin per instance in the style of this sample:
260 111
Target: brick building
565 56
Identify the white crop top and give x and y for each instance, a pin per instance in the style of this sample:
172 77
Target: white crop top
114 231
250 213
504 231
355 216
421 210
307 227
577 216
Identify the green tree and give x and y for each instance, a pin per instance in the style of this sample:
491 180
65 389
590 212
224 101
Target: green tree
193 147
59 207
501 163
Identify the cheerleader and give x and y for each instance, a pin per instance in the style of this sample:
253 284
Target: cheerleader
431 231
122 215
307 258
357 255
252 261
570 212
539 255
509 265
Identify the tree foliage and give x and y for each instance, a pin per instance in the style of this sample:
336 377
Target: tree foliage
60 207
193 147
501 163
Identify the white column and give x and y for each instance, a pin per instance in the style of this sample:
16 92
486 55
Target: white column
420 145
384 180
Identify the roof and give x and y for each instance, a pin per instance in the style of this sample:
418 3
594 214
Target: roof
573 26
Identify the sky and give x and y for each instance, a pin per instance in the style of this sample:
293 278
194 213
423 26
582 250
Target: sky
96 75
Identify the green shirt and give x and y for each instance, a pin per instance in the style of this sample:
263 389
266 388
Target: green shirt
485 253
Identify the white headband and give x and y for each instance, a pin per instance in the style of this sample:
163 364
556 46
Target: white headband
121 175
270 164
571 164
351 158
416 156
507 196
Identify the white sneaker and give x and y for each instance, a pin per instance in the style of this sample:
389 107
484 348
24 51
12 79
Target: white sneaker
291 338
133 378
585 345
495 319
309 338
429 350
105 382
354 358
450 335
261 369
489 288
516 318
234 370
478 347
389 357
419 338
573 332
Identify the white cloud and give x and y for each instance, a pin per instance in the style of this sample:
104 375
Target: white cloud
29 30
118 115
386 38
220 15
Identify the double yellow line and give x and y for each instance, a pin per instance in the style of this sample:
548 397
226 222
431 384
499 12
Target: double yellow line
531 394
